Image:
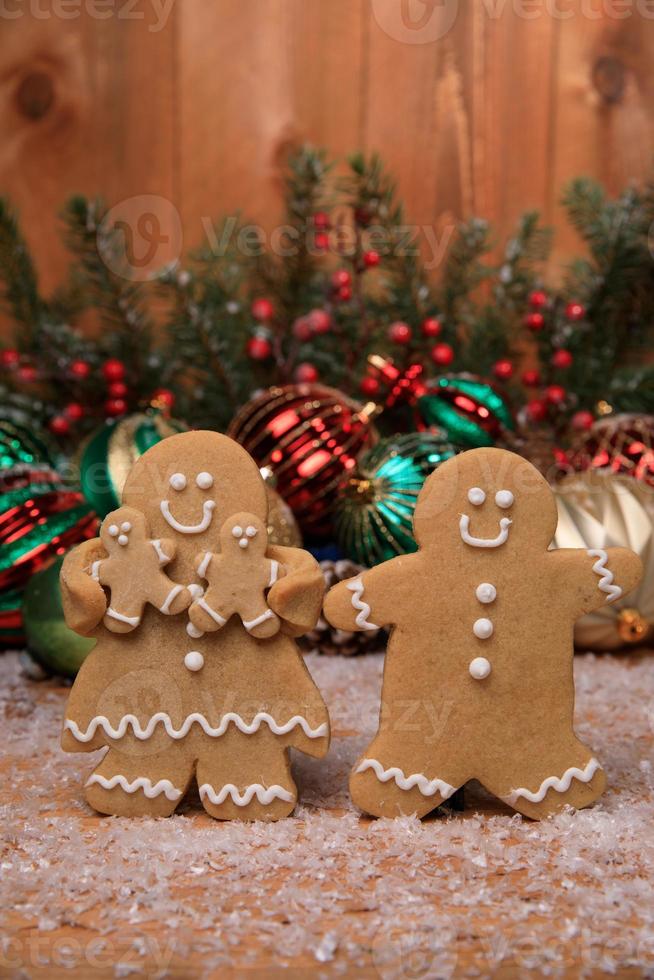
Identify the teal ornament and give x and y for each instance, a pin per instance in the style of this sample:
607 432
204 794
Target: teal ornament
471 410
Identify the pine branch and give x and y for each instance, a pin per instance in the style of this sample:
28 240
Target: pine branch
19 291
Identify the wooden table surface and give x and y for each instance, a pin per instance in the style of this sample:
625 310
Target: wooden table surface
327 892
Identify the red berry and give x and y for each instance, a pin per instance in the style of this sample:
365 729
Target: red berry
306 373
537 299
369 386
113 369
262 309
534 321
341 278
555 394
321 240
562 358
399 332
531 379
581 421
9 358
59 425
115 406
302 329
259 348
27 373
431 327
164 396
117 389
442 354
321 220
503 369
344 293
74 411
536 410
80 369
319 321
575 311
371 258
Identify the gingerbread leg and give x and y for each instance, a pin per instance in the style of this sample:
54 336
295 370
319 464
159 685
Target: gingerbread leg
204 617
128 785
124 615
246 777
260 621
387 786
577 782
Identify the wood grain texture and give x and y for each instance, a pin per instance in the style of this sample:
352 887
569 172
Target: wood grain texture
490 114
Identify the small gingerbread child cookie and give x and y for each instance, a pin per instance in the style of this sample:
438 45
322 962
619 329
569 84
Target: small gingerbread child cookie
478 680
133 571
238 578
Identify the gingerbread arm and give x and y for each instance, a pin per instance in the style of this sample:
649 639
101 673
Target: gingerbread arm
296 597
83 598
595 577
362 603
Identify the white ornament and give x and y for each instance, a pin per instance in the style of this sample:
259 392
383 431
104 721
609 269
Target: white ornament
479 668
194 660
486 592
204 480
177 481
504 499
482 628
476 496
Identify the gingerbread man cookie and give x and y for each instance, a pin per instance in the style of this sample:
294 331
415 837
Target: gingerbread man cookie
174 703
478 680
133 571
238 579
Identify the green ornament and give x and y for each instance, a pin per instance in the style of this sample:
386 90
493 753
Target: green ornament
49 640
111 452
21 442
374 516
471 410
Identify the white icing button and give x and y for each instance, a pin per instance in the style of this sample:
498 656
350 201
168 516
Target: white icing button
178 481
476 496
125 526
486 592
243 543
194 631
113 530
194 660
504 498
482 628
237 530
123 539
479 668
204 480
251 531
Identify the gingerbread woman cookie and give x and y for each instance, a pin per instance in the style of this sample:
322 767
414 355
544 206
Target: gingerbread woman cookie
172 702
133 571
478 680
238 579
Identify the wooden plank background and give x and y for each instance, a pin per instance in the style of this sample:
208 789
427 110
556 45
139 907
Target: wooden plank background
486 107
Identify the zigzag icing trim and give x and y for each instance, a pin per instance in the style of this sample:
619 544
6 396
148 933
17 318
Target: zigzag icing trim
143 783
561 785
428 787
161 717
263 794
357 589
606 581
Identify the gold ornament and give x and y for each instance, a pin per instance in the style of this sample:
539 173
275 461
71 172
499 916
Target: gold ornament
282 526
603 510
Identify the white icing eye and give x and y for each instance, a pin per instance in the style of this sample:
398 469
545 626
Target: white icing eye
251 531
113 530
178 481
504 498
476 496
243 543
204 480
125 526
237 530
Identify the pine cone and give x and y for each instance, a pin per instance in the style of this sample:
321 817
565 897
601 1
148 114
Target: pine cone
324 638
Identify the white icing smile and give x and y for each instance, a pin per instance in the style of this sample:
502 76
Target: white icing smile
464 529
207 514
